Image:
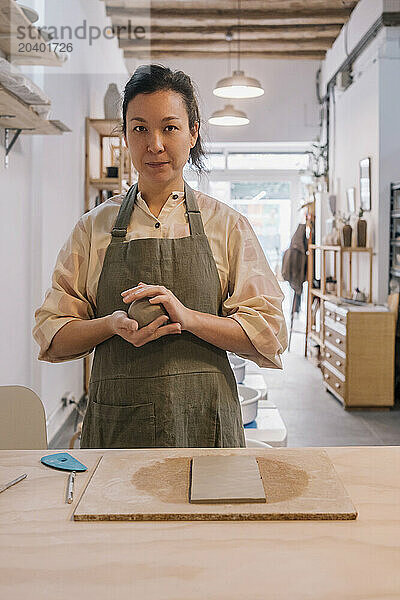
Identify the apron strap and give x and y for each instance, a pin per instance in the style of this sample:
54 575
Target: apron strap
119 230
192 211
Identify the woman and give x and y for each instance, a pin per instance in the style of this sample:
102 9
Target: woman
168 384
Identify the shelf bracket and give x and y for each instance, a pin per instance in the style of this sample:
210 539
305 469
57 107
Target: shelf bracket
8 145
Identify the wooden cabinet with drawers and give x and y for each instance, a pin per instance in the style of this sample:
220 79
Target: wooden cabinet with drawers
358 354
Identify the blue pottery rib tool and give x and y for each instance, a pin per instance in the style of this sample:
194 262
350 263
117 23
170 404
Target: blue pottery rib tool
63 461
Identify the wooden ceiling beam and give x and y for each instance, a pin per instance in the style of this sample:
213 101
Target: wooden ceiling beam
148 21
220 45
153 54
228 16
272 4
288 29
246 33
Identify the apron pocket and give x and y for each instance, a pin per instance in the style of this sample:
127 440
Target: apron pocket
113 426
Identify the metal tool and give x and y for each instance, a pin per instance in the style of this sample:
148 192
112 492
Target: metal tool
70 490
65 462
7 485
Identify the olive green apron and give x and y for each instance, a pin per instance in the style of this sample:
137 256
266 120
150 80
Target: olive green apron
176 391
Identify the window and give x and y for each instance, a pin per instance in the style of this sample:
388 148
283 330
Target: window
267 206
286 162
215 161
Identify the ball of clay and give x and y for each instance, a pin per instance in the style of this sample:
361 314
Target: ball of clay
144 313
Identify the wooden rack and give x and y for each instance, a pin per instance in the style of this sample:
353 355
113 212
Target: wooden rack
338 268
95 179
339 251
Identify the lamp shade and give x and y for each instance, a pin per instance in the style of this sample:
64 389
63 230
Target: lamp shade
238 85
228 116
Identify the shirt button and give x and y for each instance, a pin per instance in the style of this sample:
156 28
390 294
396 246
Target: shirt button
157 225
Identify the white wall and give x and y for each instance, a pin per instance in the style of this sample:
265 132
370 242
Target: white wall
43 197
15 252
365 121
389 141
354 136
288 111
365 14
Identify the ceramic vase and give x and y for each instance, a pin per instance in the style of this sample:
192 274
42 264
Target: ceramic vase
346 232
335 237
361 233
112 102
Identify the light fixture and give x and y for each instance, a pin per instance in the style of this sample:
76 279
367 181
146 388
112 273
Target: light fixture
228 116
238 85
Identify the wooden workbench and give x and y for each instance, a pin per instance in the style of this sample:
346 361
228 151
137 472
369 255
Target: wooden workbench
45 554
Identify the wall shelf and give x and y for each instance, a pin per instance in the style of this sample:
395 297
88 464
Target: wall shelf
315 337
338 267
12 21
349 249
106 127
105 183
319 294
15 114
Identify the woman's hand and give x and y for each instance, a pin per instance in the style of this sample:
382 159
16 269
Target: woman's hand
127 328
158 294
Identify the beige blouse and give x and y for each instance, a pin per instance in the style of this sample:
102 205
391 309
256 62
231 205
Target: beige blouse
250 292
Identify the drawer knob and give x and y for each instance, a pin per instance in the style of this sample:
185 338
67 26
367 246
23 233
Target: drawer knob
338 341
337 385
338 319
328 334
326 376
328 313
338 363
328 355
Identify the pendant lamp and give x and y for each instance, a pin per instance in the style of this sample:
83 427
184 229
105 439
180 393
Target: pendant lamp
238 85
228 116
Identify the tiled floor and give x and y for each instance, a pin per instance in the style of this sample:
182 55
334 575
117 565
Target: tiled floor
313 417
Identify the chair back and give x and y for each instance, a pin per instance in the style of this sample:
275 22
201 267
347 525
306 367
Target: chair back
22 419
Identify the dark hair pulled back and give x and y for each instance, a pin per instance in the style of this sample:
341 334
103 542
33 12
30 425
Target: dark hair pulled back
155 77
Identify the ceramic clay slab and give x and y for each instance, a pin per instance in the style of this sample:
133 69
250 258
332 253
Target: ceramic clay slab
225 479
153 485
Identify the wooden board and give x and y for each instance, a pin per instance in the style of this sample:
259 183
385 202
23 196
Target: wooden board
299 483
225 479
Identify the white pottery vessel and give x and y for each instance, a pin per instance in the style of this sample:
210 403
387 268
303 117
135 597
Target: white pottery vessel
238 365
249 398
